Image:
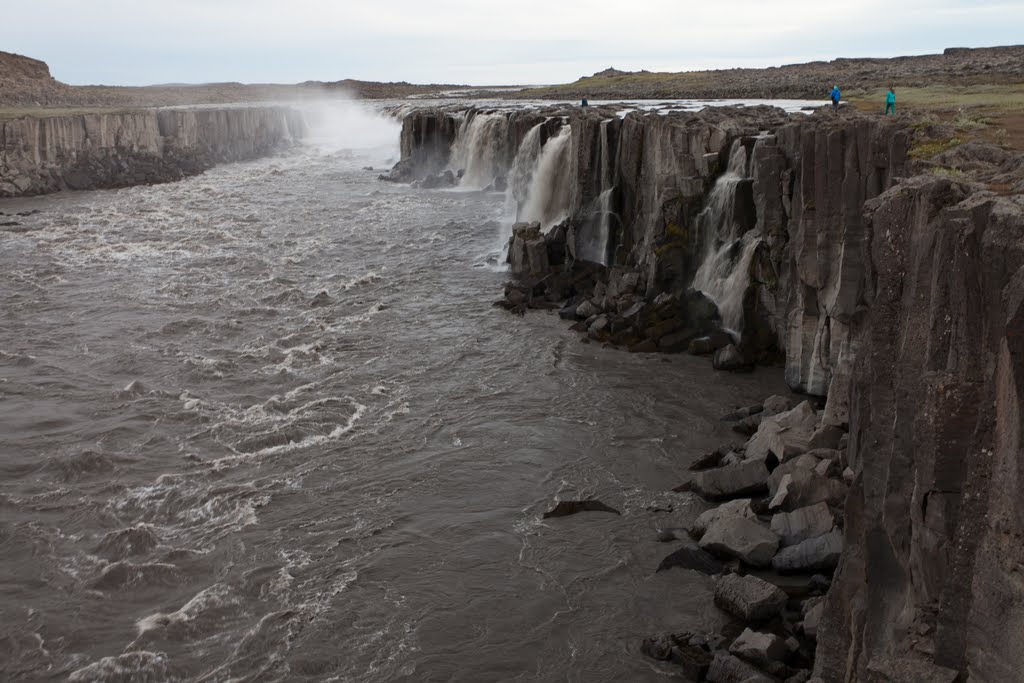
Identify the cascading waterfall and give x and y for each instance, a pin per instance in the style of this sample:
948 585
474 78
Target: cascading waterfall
479 149
523 167
724 271
547 195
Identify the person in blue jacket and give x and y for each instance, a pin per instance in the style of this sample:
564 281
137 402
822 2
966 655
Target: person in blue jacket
835 98
890 101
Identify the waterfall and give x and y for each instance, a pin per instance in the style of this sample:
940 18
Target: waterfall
479 149
592 241
547 194
523 167
724 273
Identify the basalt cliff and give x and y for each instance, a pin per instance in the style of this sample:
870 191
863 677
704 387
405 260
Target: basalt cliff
887 282
46 153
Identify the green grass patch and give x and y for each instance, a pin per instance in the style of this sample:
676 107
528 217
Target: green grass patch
926 149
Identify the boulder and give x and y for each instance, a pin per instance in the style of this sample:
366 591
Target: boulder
586 309
803 524
729 359
694 558
571 507
759 648
702 346
734 508
805 462
813 554
726 668
774 405
741 538
749 598
806 487
827 436
747 478
784 435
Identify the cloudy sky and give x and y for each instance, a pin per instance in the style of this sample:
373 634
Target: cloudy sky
139 42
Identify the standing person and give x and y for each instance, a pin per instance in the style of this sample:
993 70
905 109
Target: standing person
835 98
584 103
890 101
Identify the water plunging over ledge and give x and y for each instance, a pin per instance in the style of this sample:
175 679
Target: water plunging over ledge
729 243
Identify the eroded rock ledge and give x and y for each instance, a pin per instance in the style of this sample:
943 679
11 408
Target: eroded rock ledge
891 287
104 150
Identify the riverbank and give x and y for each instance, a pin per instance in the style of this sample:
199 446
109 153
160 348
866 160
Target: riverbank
823 243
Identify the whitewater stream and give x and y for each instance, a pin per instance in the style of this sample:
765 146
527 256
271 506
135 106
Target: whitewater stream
264 424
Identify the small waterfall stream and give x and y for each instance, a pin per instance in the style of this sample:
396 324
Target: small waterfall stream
521 174
479 149
724 271
547 194
593 241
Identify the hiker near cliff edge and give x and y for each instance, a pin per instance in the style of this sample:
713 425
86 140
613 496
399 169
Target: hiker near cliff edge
890 101
835 98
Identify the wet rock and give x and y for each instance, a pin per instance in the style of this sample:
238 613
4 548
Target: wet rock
746 479
680 650
813 554
702 346
741 538
749 598
726 668
645 346
759 648
734 508
709 460
571 507
729 359
676 342
692 557
803 524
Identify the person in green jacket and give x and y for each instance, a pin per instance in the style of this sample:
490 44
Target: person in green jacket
890 101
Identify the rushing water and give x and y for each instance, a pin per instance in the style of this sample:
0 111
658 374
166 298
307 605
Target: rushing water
264 424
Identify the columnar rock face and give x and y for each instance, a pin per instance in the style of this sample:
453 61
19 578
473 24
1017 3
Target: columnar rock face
87 151
932 567
901 298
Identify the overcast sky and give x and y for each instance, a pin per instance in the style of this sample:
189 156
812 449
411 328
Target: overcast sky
141 42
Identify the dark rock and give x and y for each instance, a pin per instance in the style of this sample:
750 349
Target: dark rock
749 598
571 507
729 359
741 538
734 508
803 524
746 479
702 346
726 668
692 557
908 670
758 648
821 552
742 413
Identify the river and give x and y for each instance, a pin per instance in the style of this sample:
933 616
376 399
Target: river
264 424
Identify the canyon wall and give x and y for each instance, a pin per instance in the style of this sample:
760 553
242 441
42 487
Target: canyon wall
102 150
896 293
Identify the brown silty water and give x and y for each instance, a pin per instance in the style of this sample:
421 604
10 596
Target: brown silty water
264 424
